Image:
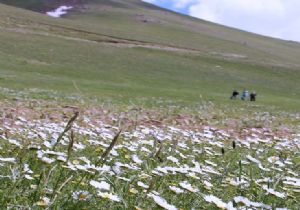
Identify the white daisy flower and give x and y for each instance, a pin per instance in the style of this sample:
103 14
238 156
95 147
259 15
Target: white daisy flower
188 186
176 189
162 202
81 195
273 192
28 177
43 202
9 160
248 203
109 196
48 160
217 201
141 184
136 159
173 159
100 185
207 185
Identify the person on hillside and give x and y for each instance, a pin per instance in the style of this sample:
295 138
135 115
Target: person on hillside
245 94
253 96
235 93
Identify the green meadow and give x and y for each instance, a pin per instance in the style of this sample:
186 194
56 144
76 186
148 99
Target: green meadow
123 105
132 51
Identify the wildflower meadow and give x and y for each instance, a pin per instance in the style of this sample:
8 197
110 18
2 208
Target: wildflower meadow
101 159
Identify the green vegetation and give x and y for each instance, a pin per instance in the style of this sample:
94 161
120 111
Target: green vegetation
123 105
178 162
130 50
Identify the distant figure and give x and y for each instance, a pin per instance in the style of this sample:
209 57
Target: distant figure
253 96
235 93
245 94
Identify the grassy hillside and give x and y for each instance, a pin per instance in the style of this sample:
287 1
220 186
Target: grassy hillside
38 5
129 50
137 112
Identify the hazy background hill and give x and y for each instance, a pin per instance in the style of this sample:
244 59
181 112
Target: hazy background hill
40 5
131 49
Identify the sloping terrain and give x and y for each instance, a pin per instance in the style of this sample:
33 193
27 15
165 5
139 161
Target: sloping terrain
131 49
137 112
39 5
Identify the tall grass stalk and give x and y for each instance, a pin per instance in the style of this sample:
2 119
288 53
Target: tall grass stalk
67 128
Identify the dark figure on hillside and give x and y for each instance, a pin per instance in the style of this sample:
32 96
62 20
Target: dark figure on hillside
234 94
253 96
245 94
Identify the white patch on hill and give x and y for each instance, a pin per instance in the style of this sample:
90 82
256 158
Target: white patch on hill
62 10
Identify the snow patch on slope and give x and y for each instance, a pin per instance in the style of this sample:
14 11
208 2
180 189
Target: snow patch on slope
62 10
